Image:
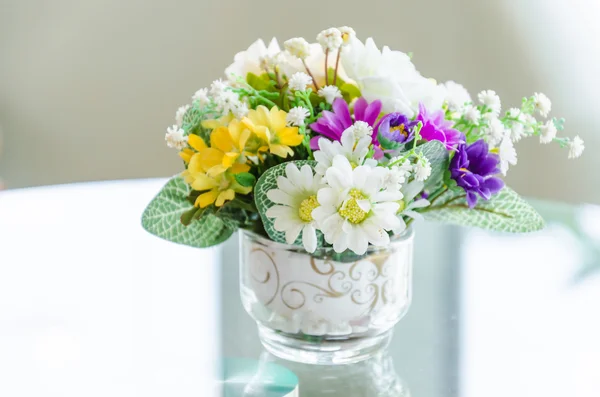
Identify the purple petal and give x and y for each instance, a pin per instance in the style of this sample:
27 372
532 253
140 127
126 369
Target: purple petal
372 112
314 142
359 109
471 199
340 107
494 184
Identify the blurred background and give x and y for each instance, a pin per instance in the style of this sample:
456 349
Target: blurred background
88 88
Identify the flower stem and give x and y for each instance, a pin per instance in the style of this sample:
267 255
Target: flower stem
337 64
311 75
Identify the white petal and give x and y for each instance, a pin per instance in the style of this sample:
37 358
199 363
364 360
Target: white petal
285 224
286 186
359 176
412 189
292 233
386 196
389 207
282 211
412 214
336 179
364 205
347 139
358 241
328 196
293 174
340 243
376 234
309 238
307 176
340 162
280 197
322 212
421 203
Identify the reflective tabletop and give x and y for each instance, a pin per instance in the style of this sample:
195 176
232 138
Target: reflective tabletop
91 305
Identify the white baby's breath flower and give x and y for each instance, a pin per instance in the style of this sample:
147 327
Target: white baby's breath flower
354 209
296 199
180 113
201 96
296 116
456 97
330 92
515 113
576 147
348 34
529 124
240 110
472 114
300 81
491 100
217 87
507 152
175 138
227 101
422 169
269 62
330 39
542 103
547 132
361 129
397 175
495 131
517 132
297 47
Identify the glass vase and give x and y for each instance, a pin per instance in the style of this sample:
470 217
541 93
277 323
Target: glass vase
325 308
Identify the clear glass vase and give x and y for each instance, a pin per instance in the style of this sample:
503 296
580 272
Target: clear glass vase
324 308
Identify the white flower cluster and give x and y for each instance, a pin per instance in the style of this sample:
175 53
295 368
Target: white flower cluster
176 138
352 201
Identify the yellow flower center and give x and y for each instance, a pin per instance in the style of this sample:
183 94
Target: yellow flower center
351 211
353 164
306 208
400 128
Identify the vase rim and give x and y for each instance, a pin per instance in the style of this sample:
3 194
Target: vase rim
405 236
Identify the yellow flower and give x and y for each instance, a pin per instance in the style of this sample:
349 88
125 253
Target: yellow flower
220 122
270 127
217 188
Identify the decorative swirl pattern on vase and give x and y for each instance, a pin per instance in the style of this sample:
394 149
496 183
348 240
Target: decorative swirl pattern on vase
254 266
315 267
373 297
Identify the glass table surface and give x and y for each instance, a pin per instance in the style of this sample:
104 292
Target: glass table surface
92 305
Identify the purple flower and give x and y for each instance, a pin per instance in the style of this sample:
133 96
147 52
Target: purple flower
436 127
396 127
331 125
472 168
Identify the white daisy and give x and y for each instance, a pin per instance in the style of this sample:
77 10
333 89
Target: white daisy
354 211
297 47
300 81
176 138
296 116
330 92
348 34
507 152
472 114
542 103
180 113
491 100
422 169
457 96
547 132
296 199
330 39
201 96
410 191
576 147
352 149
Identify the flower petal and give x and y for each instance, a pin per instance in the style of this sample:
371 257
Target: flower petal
309 238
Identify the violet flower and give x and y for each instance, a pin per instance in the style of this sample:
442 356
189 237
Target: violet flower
396 127
472 168
436 127
331 125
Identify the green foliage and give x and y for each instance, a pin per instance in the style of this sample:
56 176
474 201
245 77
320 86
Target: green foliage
170 209
266 182
436 153
245 179
259 83
504 212
349 91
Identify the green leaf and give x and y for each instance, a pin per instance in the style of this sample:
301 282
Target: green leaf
503 212
262 82
162 218
266 182
245 179
350 91
436 153
187 217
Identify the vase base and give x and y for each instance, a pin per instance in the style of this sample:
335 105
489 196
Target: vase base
319 352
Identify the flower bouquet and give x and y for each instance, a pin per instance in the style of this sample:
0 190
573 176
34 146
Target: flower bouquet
323 155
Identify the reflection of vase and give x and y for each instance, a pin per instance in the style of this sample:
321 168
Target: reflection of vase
375 377
316 309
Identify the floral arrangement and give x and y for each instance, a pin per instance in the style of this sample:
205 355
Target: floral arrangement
340 144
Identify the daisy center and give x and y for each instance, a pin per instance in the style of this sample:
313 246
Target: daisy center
306 208
351 210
